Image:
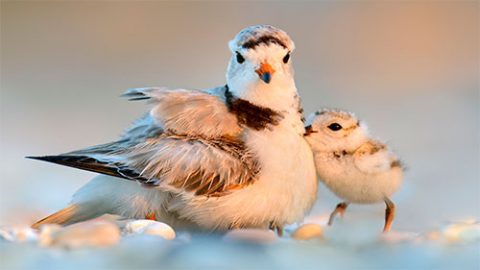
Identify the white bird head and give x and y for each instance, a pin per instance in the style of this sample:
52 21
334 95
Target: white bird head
335 130
260 65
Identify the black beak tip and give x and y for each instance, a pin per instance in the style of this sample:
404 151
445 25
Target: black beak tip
309 130
266 77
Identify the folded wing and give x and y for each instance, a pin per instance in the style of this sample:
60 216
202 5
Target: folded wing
375 157
191 112
188 143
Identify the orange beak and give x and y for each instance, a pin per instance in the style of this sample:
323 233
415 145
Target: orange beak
265 72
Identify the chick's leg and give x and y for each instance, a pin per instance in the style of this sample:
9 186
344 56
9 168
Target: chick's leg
389 214
340 209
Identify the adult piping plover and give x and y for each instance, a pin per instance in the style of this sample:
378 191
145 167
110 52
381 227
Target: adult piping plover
229 157
354 166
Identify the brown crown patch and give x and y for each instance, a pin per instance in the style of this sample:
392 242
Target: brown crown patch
267 40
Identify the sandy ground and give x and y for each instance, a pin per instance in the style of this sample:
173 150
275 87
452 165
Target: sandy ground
349 244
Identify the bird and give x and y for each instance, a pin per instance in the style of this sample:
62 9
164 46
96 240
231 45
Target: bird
353 165
224 158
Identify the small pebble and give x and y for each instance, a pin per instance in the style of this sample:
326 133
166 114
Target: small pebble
84 234
18 234
45 237
6 234
464 232
150 227
252 235
308 231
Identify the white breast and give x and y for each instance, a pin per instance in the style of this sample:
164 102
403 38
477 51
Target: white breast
288 170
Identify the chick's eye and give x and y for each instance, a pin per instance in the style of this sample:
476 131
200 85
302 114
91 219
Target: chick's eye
335 126
240 58
286 58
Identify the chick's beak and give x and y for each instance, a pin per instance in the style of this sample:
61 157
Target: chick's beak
309 130
265 72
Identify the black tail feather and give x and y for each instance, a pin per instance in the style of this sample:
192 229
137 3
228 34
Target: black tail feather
93 165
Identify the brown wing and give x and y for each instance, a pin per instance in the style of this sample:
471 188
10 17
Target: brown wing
171 162
190 112
375 157
188 142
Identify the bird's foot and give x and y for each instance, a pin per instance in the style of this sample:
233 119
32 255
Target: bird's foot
340 209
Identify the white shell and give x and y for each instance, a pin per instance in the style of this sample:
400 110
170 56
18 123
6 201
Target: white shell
150 227
137 226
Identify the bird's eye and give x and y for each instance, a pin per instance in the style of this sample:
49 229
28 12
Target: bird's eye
335 126
286 58
240 58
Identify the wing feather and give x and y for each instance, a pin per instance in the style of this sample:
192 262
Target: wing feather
188 143
192 112
375 157
175 163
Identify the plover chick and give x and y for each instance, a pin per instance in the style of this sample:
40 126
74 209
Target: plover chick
355 167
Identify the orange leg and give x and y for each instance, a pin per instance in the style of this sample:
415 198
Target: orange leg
340 209
151 216
389 214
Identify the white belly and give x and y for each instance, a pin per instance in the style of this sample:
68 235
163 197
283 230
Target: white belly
285 190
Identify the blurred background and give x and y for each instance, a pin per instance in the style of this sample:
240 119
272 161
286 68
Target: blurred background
410 69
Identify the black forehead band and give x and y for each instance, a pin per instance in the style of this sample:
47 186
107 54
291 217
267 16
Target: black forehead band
263 40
